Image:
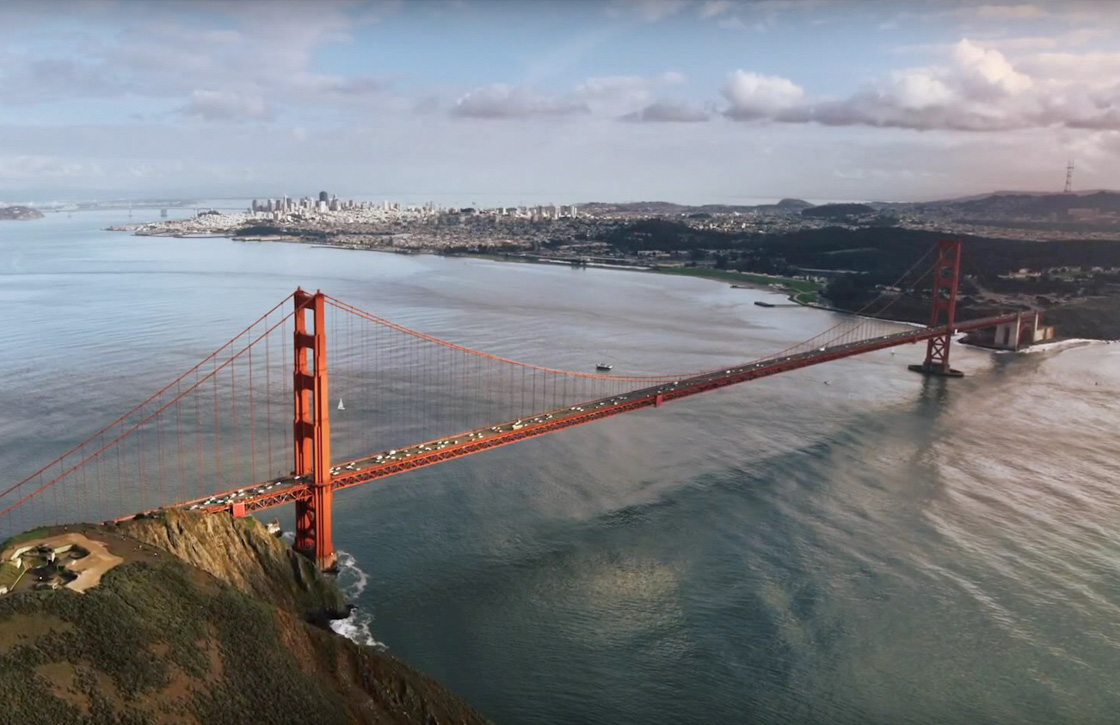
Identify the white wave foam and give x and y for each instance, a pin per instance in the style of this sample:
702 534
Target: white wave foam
353 581
1064 345
356 628
1056 346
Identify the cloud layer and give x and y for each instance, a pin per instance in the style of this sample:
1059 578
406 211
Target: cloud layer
977 89
711 95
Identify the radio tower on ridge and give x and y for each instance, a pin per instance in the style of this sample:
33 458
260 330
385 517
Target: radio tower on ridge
1069 176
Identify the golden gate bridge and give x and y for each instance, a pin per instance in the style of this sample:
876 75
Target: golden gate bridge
249 427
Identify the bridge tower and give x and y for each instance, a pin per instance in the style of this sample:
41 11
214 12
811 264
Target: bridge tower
312 431
946 282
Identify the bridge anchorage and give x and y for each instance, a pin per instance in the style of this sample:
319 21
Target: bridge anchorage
1010 332
225 424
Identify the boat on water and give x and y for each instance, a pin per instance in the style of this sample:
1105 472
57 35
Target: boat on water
760 303
340 405
603 366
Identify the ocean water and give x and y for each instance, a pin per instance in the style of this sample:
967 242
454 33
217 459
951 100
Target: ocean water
884 549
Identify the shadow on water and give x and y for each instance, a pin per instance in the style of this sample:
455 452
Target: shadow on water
737 572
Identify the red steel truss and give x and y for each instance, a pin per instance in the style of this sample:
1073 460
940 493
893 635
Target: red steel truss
943 310
312 432
314 478
655 396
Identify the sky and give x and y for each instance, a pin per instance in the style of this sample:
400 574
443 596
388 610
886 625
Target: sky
533 101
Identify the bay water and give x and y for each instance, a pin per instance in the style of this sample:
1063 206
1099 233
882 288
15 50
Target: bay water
883 548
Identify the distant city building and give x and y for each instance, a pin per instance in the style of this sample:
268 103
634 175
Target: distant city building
285 207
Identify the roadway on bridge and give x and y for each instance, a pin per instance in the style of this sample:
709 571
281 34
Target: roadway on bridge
284 490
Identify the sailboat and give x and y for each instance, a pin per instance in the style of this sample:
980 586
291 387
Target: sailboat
340 405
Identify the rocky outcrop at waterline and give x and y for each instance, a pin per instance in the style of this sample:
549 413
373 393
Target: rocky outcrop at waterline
19 213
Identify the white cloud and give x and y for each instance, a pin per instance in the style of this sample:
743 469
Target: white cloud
227 106
666 111
26 167
918 89
502 101
1031 43
979 89
758 96
264 56
614 94
1010 11
712 8
604 95
1101 12
736 23
1089 68
140 71
649 10
985 72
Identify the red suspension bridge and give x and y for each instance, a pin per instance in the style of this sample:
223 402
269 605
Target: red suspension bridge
250 426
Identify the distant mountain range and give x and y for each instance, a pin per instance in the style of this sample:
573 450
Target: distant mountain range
1024 204
995 204
1011 192
667 208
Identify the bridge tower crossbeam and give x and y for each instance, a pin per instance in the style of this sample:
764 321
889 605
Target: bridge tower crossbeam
943 310
312 431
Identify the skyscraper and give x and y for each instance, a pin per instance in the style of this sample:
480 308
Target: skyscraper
323 196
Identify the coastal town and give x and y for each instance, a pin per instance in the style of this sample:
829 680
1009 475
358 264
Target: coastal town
789 246
567 231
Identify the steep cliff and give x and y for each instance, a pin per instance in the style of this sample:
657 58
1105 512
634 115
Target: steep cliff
217 634
241 553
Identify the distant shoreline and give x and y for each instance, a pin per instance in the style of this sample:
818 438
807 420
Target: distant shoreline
1103 330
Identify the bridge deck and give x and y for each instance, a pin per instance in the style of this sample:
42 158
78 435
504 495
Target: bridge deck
379 465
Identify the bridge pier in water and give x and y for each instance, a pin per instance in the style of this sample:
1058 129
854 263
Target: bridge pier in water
946 282
312 432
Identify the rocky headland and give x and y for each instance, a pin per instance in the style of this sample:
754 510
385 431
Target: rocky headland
19 212
208 620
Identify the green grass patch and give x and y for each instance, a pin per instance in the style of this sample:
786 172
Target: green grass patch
798 285
9 575
144 622
25 536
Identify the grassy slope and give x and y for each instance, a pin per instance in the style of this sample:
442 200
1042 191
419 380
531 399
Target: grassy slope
162 641
798 285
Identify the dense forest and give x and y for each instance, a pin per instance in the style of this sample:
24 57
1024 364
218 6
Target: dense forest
858 262
880 252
